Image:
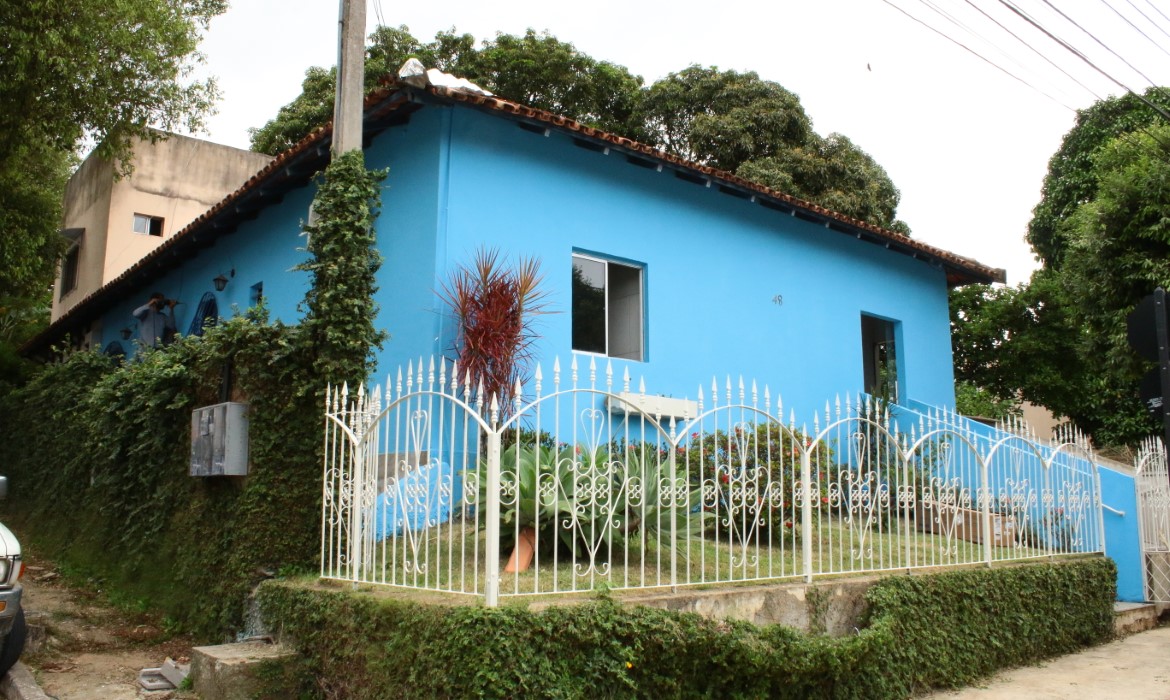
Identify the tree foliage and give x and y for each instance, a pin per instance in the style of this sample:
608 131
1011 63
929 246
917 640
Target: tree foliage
1072 179
723 118
96 71
835 174
106 70
339 306
1102 232
757 129
535 69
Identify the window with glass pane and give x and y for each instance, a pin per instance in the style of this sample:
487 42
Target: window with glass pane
880 357
607 308
148 225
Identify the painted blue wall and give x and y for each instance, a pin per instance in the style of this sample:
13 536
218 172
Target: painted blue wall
1122 534
713 264
264 249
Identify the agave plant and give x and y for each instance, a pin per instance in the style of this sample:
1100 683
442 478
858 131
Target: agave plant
593 501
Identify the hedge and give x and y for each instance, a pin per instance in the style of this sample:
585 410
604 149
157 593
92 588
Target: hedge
97 452
937 630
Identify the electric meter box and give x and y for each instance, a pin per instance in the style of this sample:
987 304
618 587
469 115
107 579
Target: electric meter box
219 440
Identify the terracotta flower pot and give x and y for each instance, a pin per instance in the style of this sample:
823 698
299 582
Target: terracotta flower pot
523 552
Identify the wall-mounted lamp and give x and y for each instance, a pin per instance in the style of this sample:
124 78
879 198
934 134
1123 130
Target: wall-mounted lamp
220 282
126 333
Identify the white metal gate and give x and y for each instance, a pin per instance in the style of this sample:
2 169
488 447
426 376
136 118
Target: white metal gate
1153 497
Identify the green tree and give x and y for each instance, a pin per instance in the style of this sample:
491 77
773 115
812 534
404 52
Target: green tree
758 130
723 118
728 120
835 174
1013 343
541 71
1103 234
102 72
535 69
1071 179
106 70
387 50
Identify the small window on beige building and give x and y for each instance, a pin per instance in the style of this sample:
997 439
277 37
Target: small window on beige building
69 271
148 225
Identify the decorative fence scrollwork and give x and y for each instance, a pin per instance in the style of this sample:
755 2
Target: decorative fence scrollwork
427 483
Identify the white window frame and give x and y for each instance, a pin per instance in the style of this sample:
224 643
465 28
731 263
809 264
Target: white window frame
148 223
638 325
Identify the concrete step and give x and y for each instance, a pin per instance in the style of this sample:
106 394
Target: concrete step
1131 618
230 671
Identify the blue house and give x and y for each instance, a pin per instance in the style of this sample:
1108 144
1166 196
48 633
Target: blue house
702 273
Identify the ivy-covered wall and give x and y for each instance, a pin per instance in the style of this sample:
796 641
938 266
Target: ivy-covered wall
97 458
97 453
938 630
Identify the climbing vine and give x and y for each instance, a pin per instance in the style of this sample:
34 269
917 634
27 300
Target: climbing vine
339 306
100 477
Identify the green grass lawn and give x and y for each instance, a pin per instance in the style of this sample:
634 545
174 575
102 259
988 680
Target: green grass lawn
452 557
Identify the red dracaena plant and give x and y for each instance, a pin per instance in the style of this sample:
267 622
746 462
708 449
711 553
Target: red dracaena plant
495 306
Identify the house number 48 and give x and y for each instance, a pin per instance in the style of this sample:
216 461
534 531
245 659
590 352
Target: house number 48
778 300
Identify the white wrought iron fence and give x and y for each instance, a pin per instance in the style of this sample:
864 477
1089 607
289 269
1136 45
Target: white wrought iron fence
1153 507
589 484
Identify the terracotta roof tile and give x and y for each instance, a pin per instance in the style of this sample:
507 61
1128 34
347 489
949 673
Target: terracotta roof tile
392 97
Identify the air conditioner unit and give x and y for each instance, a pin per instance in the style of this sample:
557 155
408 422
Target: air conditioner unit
219 440
664 407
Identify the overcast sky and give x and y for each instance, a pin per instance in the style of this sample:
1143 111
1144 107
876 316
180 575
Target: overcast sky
967 144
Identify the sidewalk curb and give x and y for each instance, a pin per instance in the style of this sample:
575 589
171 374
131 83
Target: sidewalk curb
19 684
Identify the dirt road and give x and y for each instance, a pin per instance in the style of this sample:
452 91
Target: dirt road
91 650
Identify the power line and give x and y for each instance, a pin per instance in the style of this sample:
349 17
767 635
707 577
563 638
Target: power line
1148 19
1073 50
1126 136
1157 10
1035 50
981 57
1103 45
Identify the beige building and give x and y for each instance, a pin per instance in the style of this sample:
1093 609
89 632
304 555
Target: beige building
112 223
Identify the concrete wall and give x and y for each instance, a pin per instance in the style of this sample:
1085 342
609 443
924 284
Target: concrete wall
87 206
176 179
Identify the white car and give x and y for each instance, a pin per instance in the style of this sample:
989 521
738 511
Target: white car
12 626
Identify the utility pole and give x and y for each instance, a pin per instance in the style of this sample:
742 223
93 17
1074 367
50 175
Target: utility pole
351 55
